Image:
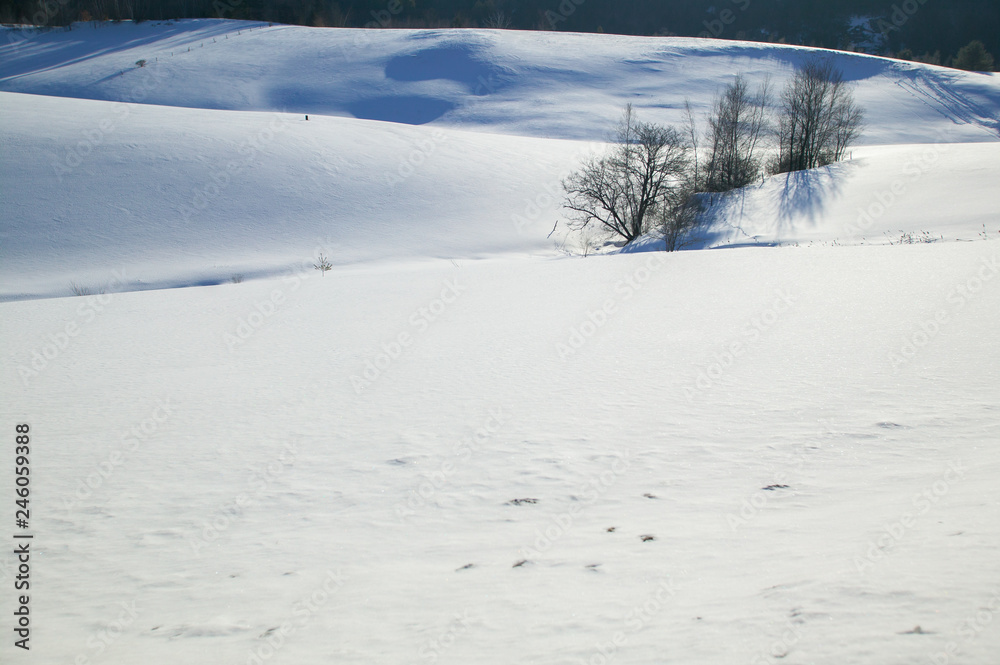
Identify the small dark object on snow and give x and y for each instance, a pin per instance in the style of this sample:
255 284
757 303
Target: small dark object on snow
520 563
771 488
466 567
518 502
611 529
649 496
647 538
307 117
917 631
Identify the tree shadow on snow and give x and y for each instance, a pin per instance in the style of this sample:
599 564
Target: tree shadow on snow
804 194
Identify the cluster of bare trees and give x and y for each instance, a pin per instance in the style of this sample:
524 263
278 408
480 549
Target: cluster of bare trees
654 176
819 118
736 129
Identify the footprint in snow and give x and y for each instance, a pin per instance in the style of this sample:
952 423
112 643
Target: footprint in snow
518 502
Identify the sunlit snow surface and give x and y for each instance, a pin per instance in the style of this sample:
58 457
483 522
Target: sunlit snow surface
463 444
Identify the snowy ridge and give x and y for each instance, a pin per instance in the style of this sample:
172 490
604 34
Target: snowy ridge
525 83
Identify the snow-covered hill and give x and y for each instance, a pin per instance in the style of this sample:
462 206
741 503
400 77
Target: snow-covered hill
179 196
463 444
560 85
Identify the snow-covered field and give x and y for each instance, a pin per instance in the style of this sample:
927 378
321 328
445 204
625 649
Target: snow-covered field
464 444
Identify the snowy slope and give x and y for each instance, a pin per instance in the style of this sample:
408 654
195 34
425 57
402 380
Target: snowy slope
263 459
171 196
212 193
536 84
883 194
180 196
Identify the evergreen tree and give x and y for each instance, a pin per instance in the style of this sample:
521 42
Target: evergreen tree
974 57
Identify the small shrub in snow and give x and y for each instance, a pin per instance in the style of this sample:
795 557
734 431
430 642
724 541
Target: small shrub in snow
323 264
140 63
911 238
81 290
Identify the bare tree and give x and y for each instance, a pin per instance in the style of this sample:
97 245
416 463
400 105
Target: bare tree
819 118
624 190
736 129
691 127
